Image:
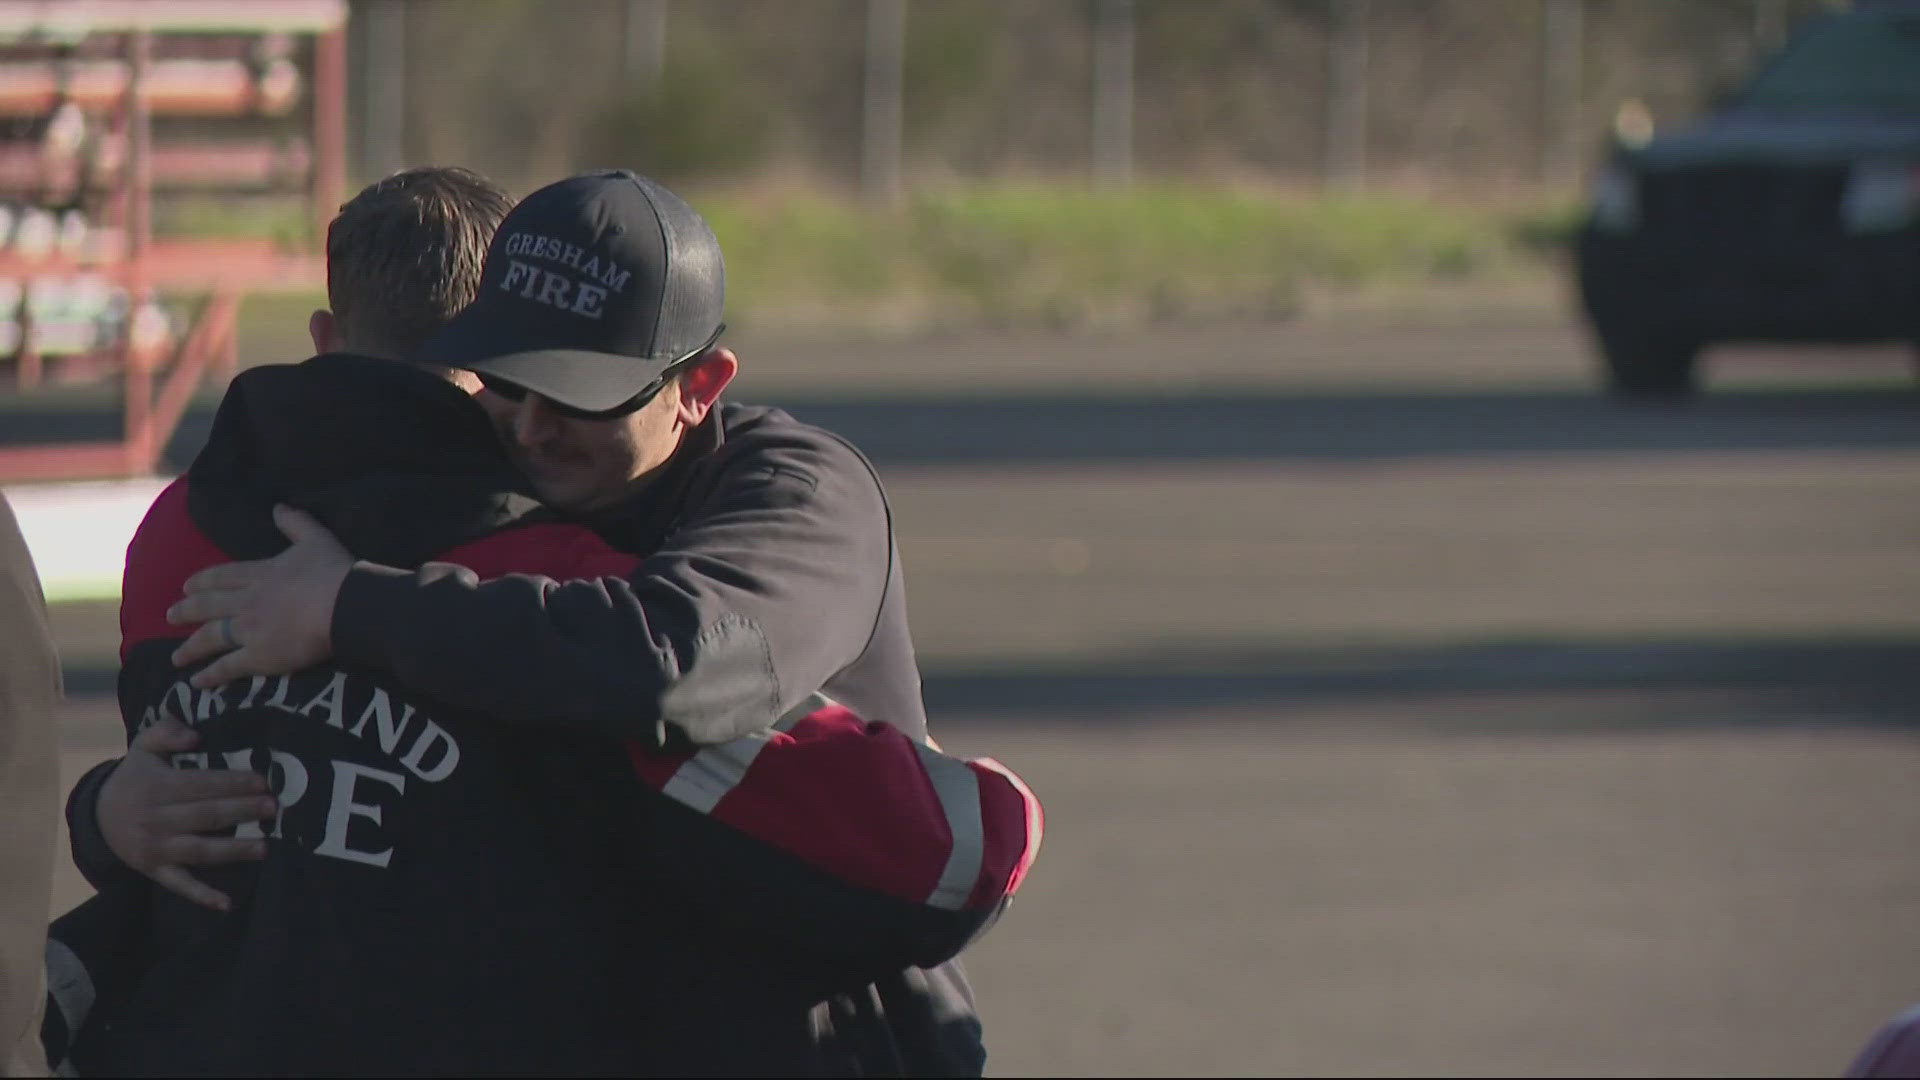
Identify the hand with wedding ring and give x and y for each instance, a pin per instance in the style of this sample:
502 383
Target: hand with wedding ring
267 617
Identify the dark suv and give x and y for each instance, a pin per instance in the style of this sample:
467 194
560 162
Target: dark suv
1791 214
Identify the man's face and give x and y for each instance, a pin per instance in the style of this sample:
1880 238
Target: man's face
580 465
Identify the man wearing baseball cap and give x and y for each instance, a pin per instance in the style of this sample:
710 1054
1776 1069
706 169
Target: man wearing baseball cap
770 587
601 294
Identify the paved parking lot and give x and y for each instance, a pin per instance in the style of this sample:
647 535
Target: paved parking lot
1399 706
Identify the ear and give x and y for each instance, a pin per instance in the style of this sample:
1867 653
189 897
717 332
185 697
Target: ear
701 384
324 330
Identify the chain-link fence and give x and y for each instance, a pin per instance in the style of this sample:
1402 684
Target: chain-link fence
1463 95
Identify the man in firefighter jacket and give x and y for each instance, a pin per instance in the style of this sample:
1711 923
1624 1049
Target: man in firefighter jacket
589 794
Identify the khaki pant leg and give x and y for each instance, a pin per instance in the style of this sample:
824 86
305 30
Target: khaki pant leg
29 800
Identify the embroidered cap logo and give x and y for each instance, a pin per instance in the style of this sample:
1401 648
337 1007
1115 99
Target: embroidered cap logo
593 287
583 291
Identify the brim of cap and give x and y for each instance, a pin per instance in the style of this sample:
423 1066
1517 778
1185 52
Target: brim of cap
589 381
579 378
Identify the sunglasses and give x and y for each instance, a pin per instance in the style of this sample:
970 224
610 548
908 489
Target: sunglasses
516 393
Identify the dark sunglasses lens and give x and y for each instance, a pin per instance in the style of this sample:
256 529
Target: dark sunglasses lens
503 388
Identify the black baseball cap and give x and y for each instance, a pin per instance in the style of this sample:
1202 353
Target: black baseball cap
592 288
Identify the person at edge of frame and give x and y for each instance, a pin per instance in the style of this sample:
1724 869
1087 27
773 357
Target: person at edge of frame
29 796
518 881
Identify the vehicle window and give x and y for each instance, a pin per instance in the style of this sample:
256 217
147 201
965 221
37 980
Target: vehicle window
1848 67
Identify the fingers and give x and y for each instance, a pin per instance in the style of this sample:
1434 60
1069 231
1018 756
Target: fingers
209 640
298 525
195 785
166 736
213 815
179 881
205 605
232 666
159 819
178 851
225 577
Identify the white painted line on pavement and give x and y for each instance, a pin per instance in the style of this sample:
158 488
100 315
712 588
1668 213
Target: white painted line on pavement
78 532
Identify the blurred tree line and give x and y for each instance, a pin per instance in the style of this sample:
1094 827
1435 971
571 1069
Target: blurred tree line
1481 96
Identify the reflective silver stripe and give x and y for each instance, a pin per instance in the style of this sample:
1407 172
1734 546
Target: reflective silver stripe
709 775
959 792
813 704
70 986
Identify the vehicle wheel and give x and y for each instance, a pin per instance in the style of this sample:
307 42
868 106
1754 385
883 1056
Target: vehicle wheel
1649 365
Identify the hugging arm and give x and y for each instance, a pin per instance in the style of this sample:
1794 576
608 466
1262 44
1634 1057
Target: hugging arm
769 586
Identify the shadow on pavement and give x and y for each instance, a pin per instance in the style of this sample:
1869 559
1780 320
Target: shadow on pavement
1720 681
1309 426
1742 681
1343 426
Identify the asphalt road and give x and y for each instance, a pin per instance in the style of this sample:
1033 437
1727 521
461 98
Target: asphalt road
1400 707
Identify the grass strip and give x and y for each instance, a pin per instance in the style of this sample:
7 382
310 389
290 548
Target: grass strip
1052 253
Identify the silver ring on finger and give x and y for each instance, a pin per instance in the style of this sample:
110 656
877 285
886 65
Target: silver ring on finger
226 632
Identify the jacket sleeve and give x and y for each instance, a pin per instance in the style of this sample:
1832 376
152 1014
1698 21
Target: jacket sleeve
842 838
91 855
845 845
771 584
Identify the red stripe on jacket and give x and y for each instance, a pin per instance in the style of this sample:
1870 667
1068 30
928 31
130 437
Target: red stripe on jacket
846 796
853 798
